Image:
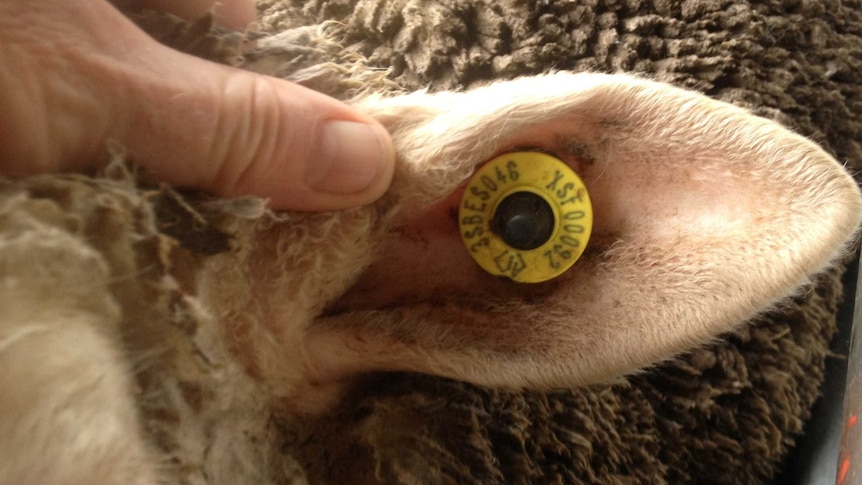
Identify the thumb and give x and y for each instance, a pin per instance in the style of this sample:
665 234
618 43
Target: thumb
195 123
233 132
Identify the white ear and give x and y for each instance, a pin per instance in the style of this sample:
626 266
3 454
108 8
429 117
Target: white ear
705 215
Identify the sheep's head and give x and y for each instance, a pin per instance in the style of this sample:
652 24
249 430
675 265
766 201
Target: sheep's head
705 215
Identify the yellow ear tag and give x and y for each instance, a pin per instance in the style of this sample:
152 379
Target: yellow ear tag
525 216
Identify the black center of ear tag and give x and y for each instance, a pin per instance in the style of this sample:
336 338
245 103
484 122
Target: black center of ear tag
524 220
525 216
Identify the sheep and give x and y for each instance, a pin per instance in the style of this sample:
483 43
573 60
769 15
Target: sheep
230 321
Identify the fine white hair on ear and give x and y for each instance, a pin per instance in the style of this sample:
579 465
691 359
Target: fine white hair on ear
705 215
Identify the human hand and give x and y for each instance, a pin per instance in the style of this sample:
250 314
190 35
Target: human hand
75 73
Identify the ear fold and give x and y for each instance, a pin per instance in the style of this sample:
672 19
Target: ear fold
704 216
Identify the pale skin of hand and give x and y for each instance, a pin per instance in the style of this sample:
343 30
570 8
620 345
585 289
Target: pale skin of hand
76 73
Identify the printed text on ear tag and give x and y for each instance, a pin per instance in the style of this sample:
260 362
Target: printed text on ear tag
525 216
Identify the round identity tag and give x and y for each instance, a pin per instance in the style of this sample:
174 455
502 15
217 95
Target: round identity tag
525 216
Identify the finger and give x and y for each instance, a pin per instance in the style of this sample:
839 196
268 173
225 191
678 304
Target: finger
234 132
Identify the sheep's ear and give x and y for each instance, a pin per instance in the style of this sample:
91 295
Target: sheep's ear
705 215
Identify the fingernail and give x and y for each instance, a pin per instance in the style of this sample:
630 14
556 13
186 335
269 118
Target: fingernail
352 156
